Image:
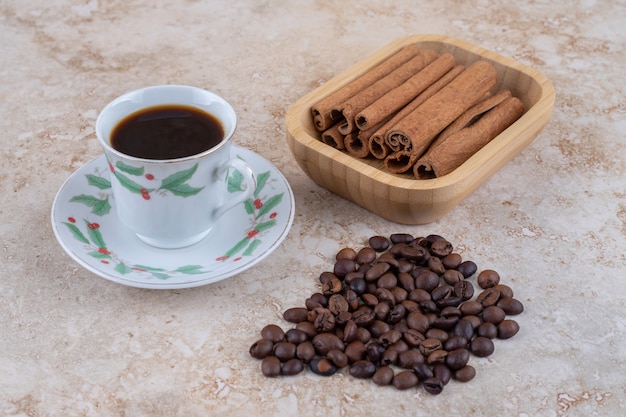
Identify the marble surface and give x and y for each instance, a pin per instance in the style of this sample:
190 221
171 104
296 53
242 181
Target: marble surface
552 221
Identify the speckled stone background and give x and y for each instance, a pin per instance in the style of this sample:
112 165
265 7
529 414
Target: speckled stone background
552 221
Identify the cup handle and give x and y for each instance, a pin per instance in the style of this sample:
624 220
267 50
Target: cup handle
248 178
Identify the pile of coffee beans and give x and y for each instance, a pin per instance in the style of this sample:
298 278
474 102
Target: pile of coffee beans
401 311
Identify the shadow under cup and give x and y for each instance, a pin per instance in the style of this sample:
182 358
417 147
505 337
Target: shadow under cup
172 202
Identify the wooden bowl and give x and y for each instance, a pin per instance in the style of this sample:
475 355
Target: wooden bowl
402 198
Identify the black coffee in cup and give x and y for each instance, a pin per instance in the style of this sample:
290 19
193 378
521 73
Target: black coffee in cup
167 132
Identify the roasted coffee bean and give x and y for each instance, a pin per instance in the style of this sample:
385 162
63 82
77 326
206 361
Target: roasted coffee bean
369 299
322 366
434 333
305 352
334 286
464 290
451 301
285 351
399 294
374 352
405 266
383 376
409 358
401 238
323 342
465 374
390 259
488 278
471 308
307 327
428 306
378 328
295 314
404 380
493 314
353 275
410 306
427 280
396 314
376 271
441 292
363 316
451 261
365 256
326 276
457 358
401 327
406 281
261 348
419 295
488 330
337 304
358 285
445 323
442 372
381 311
482 346
316 300
510 305
342 318
441 248
273 332
400 346
428 346
505 291
379 243
338 358
433 385
385 296
467 268
417 254
390 357
323 320
395 250
475 321
507 329
422 370
270 366
390 337
437 357
436 265
464 328
417 321
350 331
488 297
352 298
452 276
455 342
413 337
387 280
346 253
362 369
355 351
292 367
363 335
344 266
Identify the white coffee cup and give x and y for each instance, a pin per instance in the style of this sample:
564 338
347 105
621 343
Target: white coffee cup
173 203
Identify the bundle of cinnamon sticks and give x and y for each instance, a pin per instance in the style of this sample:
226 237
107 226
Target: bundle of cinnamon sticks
417 111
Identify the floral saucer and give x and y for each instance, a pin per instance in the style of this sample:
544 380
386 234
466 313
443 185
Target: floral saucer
86 225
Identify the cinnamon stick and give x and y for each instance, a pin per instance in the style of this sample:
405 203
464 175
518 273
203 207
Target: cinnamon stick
464 120
379 146
356 146
333 137
450 153
362 99
321 111
418 129
400 96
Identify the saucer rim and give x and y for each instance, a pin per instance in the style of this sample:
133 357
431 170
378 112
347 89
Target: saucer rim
210 277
